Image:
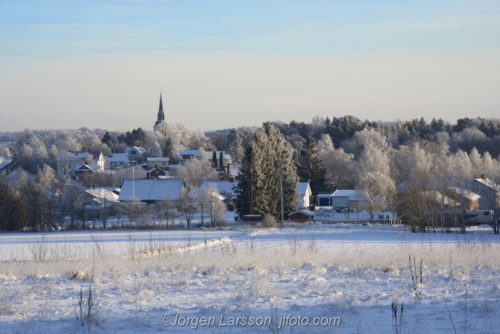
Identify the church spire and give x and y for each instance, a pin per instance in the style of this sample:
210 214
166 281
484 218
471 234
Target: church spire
161 114
161 106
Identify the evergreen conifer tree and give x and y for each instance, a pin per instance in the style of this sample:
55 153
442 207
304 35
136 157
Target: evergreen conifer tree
221 160
309 166
267 174
214 159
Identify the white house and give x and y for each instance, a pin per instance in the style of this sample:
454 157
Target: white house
489 192
68 161
135 153
304 194
118 160
356 199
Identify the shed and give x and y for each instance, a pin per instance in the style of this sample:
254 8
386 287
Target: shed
301 215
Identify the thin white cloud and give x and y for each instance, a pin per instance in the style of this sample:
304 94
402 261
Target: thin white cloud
100 29
453 23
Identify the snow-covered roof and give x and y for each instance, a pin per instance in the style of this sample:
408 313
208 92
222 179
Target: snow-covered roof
92 167
302 188
465 193
139 149
189 152
305 211
103 194
352 194
223 186
440 198
488 183
151 189
4 162
119 157
161 159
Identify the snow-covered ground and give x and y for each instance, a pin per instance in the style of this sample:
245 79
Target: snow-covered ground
315 275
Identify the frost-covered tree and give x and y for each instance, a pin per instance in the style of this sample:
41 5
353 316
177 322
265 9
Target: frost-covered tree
267 174
235 142
374 176
339 165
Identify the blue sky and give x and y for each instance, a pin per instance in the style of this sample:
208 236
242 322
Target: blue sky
221 64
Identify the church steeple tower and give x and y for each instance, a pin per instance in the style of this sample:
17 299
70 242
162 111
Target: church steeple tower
161 114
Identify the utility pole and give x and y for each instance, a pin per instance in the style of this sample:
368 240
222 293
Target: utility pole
280 175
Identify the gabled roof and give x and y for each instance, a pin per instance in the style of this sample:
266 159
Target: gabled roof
92 167
11 152
488 183
465 193
103 194
223 186
151 189
352 194
139 149
156 168
440 198
305 212
302 188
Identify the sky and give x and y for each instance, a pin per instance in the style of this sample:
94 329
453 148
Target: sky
223 64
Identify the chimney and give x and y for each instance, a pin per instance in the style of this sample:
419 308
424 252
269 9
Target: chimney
89 150
483 177
228 169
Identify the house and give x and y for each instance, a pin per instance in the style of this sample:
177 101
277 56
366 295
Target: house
99 197
135 153
158 162
156 173
301 215
304 194
151 190
435 199
118 160
467 199
356 199
84 173
489 192
11 152
225 188
68 161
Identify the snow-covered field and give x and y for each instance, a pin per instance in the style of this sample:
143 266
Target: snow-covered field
296 279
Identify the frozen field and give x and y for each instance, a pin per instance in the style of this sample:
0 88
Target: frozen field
303 279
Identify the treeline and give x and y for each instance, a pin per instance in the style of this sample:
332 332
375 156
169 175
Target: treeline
342 152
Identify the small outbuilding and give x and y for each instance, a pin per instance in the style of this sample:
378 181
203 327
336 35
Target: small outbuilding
301 215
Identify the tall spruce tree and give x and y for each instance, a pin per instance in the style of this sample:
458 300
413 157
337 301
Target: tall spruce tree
214 159
221 160
309 166
267 172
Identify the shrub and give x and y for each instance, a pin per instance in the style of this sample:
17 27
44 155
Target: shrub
268 221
